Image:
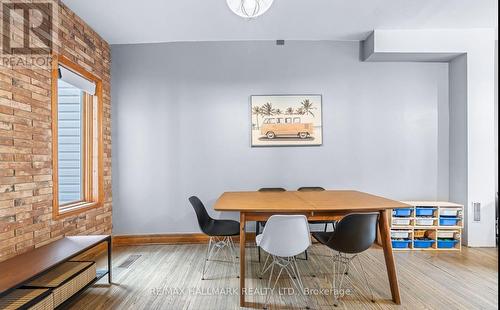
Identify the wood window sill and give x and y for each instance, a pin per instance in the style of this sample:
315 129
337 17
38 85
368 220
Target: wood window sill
75 209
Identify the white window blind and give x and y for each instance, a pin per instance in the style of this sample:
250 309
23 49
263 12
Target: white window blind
69 142
77 80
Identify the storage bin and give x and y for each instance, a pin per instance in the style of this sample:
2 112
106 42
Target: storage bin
401 244
400 234
446 243
446 234
66 279
425 211
400 221
404 212
425 221
448 221
32 299
423 243
449 212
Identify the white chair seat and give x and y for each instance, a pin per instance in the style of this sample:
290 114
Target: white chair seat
283 238
258 239
285 235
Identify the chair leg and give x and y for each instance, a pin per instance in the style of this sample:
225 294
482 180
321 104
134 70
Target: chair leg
265 267
233 255
257 232
268 295
338 262
289 265
367 283
341 264
215 245
207 256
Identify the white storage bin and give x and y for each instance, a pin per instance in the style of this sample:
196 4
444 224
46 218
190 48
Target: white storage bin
400 234
400 221
446 234
424 221
452 212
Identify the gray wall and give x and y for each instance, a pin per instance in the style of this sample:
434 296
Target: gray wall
458 132
181 126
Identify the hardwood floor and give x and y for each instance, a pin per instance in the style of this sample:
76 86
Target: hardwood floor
428 280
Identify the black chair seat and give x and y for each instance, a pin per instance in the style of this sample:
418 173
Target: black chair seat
220 230
223 228
354 234
322 236
210 226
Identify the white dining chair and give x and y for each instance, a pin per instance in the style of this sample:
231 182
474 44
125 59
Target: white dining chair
283 238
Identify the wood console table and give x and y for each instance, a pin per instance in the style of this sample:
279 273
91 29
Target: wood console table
320 206
22 269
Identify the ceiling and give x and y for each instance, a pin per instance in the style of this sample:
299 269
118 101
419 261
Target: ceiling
149 21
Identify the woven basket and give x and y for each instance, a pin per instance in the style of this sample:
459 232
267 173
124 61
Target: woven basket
32 299
419 233
66 279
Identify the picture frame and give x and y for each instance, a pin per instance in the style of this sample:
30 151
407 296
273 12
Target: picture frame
286 120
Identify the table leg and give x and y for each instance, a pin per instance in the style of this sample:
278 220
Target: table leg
385 236
379 239
109 260
242 258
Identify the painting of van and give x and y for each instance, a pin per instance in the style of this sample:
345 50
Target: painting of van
286 120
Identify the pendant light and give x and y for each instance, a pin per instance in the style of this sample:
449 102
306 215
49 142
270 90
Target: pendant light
249 8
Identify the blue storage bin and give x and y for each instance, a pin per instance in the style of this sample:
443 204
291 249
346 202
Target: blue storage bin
448 221
400 244
421 211
423 244
446 243
404 212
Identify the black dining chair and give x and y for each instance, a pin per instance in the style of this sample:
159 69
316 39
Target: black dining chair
354 234
259 224
317 189
219 231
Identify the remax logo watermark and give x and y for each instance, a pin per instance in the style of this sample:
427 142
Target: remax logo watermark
28 33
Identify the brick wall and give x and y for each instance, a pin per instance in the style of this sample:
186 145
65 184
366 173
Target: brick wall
25 145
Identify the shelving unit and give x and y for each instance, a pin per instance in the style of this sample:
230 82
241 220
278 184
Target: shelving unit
436 225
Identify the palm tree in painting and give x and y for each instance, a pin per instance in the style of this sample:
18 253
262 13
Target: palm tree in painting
307 107
289 111
257 111
278 112
300 111
267 109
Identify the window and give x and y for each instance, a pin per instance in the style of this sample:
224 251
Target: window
70 145
288 120
296 120
77 138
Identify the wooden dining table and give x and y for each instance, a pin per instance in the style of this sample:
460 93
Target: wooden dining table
317 206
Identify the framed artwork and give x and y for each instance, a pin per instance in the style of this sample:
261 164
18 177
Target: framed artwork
286 120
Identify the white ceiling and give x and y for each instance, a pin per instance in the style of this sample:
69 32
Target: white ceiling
148 21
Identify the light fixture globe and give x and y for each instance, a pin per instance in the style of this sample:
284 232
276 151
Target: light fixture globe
249 8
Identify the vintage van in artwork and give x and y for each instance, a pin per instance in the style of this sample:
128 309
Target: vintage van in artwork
286 126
